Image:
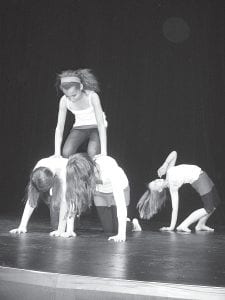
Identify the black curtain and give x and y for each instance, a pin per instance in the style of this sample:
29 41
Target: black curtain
161 68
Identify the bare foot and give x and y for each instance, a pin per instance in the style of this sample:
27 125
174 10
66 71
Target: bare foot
183 229
136 225
204 228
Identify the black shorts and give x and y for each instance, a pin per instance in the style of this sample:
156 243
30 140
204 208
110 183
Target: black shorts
207 190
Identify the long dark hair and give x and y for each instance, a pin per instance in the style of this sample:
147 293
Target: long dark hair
42 180
81 183
150 203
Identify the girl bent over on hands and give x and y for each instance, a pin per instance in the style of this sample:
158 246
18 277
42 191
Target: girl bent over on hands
80 89
104 181
47 181
153 199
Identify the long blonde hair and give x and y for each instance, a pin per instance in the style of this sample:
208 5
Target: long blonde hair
81 183
150 203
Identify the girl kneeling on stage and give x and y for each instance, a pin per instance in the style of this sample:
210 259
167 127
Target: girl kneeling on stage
104 181
153 199
80 88
47 181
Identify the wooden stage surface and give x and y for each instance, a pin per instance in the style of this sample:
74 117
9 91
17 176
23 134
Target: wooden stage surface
149 265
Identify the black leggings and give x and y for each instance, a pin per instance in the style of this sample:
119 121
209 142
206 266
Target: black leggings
109 221
77 137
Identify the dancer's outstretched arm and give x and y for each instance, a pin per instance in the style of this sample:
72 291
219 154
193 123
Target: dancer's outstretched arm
60 126
28 210
175 205
100 122
168 163
120 200
70 226
63 209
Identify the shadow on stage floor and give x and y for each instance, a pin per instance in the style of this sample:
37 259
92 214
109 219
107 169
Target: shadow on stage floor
150 264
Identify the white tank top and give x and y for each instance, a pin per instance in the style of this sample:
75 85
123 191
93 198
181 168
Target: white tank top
84 117
55 164
181 174
108 168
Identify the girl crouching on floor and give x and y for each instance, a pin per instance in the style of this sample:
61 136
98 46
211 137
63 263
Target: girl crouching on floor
47 182
100 180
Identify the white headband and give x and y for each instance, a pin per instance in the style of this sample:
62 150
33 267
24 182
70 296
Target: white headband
70 79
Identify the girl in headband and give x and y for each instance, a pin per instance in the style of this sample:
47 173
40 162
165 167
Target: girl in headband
47 181
154 198
80 97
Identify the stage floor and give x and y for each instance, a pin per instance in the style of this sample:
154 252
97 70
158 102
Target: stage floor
147 256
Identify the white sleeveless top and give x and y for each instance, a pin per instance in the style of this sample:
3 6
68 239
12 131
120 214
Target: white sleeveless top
84 117
56 164
108 169
181 174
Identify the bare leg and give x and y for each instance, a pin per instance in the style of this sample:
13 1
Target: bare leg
192 218
201 225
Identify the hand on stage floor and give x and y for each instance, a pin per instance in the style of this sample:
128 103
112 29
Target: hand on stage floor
55 233
117 238
166 229
18 230
68 234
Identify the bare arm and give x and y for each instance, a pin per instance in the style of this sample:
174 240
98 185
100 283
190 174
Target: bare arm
175 205
62 217
63 207
119 197
100 122
66 223
28 210
168 163
60 126
69 228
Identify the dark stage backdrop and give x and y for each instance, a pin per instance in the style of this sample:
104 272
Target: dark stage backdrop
161 68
